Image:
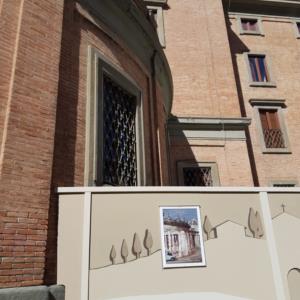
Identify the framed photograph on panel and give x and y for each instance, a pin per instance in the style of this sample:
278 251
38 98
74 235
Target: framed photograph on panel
181 237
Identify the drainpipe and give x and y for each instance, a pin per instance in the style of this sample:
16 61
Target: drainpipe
154 124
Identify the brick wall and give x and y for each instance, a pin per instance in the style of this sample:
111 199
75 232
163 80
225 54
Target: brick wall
231 158
22 248
45 126
198 51
10 18
282 48
69 153
197 48
29 89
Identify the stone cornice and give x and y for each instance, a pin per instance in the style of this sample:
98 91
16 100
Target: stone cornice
127 24
289 8
267 102
200 123
156 2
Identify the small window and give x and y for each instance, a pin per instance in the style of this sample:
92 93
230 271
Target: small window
273 135
249 25
258 67
259 70
198 174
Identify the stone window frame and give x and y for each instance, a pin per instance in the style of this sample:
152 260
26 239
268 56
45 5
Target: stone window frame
295 22
192 164
160 29
259 31
97 64
283 182
271 82
278 105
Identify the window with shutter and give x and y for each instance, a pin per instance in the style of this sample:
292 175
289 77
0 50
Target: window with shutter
269 116
273 135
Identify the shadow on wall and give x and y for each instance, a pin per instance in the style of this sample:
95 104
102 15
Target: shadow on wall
179 151
69 144
238 47
63 169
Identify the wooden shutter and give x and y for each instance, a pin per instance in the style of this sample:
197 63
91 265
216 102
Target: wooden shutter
269 119
263 119
272 118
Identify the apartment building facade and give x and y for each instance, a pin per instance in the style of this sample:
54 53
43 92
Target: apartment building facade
138 93
234 103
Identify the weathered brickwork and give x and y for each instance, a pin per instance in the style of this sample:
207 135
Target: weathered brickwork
29 89
198 51
9 23
220 152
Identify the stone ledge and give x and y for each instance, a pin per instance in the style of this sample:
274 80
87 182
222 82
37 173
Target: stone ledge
54 292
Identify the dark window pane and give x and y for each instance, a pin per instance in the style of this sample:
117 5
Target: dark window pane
258 68
298 26
249 25
119 135
254 70
197 176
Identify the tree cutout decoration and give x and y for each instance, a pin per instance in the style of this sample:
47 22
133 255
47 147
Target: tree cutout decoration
207 227
113 255
255 224
148 241
252 221
260 230
124 251
136 247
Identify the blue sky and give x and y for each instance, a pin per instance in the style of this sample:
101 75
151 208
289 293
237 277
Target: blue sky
183 213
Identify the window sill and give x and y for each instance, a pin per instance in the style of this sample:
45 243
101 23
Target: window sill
252 33
262 84
277 151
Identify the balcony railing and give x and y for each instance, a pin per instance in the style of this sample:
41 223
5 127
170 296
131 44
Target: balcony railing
274 138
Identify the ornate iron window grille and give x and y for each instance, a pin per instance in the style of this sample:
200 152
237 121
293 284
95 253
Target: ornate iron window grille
119 135
197 176
273 138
